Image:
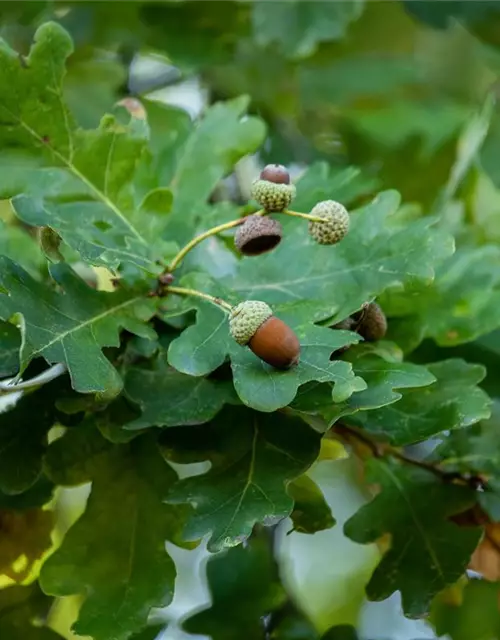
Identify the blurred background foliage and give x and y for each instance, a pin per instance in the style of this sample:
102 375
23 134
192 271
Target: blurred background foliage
406 92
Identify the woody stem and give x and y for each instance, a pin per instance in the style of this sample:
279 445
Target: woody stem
181 291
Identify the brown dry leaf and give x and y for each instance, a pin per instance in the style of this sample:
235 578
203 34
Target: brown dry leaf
24 538
486 558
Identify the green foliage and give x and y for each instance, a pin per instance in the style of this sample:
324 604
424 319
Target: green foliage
115 553
245 586
73 326
475 616
183 434
20 610
427 551
253 456
310 513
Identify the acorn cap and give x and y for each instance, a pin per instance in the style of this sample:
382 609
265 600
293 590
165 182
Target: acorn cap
257 235
276 173
336 223
246 317
373 323
272 196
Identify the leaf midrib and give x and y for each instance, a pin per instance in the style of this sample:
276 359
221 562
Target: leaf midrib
430 549
86 323
76 172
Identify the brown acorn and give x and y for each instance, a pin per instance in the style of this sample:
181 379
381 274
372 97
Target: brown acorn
252 323
276 173
372 323
257 235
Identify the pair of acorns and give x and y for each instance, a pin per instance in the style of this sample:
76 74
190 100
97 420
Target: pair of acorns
252 323
274 192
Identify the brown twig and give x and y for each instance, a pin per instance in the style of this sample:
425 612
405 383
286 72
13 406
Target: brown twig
381 449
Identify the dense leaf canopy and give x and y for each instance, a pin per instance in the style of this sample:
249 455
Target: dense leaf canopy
135 429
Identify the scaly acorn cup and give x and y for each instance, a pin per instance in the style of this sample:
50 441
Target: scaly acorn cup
271 196
335 225
252 323
257 235
373 323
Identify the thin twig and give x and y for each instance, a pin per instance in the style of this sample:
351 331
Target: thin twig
41 379
181 291
206 234
381 449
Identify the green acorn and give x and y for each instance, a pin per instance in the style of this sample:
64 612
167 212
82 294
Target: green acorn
252 323
372 323
336 223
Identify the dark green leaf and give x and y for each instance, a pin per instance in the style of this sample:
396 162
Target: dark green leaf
453 401
10 345
76 456
340 632
212 149
461 304
428 552
440 15
18 245
36 496
244 585
168 398
289 623
476 616
23 438
72 327
97 215
300 26
475 451
311 513
254 456
384 380
150 633
115 553
321 182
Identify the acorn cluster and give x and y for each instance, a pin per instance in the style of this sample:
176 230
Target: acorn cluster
252 322
273 190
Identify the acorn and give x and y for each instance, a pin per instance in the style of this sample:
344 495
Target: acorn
258 234
372 323
252 323
276 173
273 190
335 225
